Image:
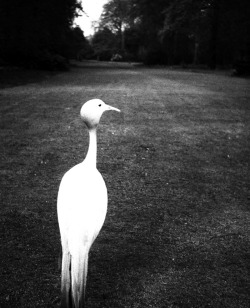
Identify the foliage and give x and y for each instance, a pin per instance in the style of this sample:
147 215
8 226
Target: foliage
181 31
79 46
116 17
33 31
104 44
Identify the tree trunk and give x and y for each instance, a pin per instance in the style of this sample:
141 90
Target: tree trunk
122 40
196 50
214 35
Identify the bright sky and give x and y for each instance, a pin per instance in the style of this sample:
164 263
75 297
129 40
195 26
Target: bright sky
93 9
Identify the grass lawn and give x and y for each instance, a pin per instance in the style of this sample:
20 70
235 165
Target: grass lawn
176 164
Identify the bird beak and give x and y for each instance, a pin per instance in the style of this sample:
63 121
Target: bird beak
112 108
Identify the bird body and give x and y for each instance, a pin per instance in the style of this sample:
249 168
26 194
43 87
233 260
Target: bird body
81 206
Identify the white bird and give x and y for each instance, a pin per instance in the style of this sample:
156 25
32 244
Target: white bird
81 208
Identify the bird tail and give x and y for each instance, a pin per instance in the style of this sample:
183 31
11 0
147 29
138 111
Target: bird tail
66 301
74 278
79 269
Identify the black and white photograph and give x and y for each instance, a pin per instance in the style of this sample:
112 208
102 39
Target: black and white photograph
125 154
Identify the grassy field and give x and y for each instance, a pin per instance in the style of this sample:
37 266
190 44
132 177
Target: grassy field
176 164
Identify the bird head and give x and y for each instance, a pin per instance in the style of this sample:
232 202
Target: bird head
92 111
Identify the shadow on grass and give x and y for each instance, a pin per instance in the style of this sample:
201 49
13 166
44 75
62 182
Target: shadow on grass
12 77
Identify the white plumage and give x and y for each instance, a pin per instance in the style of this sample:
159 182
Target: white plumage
81 207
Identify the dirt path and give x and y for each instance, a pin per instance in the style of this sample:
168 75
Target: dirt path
176 164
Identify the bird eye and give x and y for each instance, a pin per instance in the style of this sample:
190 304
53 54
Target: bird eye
99 105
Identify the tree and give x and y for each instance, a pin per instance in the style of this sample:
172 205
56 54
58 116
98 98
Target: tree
184 23
116 17
149 16
31 30
211 32
78 46
216 30
104 44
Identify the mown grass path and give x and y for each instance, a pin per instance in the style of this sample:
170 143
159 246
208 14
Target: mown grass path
176 164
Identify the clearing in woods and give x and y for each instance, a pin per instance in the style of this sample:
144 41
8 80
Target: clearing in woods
176 164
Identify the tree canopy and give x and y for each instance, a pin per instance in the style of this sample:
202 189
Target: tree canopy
211 32
201 32
35 32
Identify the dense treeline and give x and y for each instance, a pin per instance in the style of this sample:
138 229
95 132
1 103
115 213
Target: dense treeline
210 32
39 33
201 32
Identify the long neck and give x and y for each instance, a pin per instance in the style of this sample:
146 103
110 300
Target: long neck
92 151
